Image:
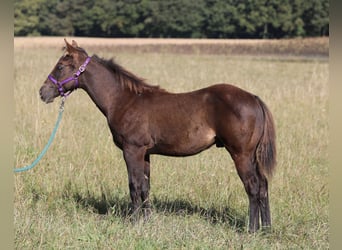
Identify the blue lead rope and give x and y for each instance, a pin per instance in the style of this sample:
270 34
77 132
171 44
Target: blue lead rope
52 136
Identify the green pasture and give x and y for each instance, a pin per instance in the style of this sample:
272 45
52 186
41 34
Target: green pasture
77 197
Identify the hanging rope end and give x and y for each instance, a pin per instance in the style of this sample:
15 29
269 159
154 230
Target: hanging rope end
61 110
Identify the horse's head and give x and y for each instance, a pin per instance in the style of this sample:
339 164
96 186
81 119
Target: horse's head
64 77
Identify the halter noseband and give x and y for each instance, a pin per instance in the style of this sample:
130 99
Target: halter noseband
75 76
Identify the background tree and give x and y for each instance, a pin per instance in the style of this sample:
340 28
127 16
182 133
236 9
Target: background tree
26 17
221 19
172 18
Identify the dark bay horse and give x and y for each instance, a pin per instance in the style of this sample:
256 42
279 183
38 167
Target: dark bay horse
146 119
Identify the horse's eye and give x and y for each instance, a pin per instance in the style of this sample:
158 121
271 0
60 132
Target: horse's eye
60 67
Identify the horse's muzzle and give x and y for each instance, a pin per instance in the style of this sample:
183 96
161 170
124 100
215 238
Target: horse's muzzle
48 93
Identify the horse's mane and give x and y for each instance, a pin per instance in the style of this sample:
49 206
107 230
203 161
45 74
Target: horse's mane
126 78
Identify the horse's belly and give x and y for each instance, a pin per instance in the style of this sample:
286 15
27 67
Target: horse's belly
186 143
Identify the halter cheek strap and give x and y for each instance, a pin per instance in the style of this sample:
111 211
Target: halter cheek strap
75 76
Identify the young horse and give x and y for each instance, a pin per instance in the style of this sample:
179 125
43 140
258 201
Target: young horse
147 120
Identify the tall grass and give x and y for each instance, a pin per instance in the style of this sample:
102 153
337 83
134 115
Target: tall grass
77 197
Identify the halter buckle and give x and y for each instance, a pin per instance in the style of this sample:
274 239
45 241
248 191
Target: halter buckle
81 68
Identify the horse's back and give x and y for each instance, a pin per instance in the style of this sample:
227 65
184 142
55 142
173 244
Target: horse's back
230 94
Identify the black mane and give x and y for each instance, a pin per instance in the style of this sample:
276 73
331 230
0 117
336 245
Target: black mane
126 78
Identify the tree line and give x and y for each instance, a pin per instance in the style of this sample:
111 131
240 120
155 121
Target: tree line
172 18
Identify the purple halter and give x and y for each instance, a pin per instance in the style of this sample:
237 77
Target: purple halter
72 78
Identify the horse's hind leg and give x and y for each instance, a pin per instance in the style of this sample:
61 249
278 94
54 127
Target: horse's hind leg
246 169
264 204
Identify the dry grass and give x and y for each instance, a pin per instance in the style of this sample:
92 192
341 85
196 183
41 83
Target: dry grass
77 197
312 47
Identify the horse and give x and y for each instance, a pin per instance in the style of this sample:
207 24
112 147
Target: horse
145 119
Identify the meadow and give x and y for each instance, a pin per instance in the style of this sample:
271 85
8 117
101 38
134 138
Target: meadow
77 197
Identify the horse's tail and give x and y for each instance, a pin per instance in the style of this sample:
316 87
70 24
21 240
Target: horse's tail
266 149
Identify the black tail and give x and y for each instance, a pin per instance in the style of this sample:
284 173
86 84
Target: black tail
266 149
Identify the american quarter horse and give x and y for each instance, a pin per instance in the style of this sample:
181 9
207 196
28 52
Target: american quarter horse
145 120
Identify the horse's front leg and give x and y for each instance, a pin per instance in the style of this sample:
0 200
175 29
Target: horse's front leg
138 183
146 189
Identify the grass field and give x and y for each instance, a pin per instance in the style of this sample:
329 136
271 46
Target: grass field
77 197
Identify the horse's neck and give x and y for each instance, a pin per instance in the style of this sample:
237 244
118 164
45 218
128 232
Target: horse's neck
100 85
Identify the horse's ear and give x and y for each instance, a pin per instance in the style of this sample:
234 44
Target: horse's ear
71 48
74 43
